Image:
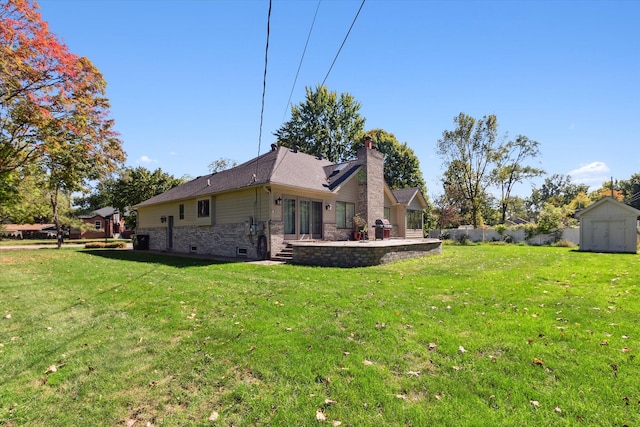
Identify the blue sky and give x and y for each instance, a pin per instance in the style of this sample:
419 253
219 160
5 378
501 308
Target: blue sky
185 77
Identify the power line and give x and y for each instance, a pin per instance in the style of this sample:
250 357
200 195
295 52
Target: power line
301 59
264 82
343 42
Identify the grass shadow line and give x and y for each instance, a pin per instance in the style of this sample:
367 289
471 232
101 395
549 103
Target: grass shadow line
164 258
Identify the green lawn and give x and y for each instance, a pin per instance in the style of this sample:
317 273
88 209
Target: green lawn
480 335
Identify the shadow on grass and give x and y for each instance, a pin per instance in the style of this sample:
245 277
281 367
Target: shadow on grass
577 250
173 260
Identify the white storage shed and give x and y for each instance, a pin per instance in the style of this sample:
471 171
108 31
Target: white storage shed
609 226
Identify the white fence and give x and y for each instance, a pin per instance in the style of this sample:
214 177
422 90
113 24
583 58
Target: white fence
516 235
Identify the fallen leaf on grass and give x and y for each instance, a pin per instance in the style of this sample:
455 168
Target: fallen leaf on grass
367 362
337 423
439 396
626 350
537 361
413 373
433 346
7 316
329 402
461 349
214 416
558 410
50 369
320 416
535 403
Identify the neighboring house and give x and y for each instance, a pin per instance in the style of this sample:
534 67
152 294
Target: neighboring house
28 231
101 223
254 209
609 226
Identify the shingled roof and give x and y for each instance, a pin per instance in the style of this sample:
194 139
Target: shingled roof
404 196
280 166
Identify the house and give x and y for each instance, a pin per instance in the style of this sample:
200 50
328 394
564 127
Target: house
100 224
28 231
255 209
609 226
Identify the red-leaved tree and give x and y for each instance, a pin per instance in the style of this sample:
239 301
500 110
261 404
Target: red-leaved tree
54 115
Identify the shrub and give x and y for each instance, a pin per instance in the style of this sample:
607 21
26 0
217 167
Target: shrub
464 240
103 245
564 243
501 228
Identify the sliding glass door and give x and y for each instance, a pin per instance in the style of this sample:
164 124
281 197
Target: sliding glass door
307 224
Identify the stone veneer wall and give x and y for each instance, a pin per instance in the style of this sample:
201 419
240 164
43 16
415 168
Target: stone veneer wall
371 185
361 255
221 240
276 231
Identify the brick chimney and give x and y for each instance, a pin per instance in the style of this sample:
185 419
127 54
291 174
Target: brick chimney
370 183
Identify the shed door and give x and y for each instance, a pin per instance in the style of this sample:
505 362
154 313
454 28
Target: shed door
608 236
617 241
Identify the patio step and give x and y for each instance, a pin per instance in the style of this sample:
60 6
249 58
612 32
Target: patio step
285 255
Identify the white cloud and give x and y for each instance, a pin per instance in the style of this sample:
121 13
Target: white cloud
146 159
593 174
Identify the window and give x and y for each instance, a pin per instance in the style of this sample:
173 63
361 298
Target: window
387 213
344 214
181 211
203 208
98 224
289 216
414 220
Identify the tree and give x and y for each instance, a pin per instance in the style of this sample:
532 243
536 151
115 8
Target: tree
221 164
516 208
127 188
510 168
54 115
447 214
471 148
401 165
630 189
324 125
557 190
32 206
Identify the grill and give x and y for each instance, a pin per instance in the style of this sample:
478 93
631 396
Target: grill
383 229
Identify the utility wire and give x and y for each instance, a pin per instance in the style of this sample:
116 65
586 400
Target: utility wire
264 82
264 90
343 42
301 59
